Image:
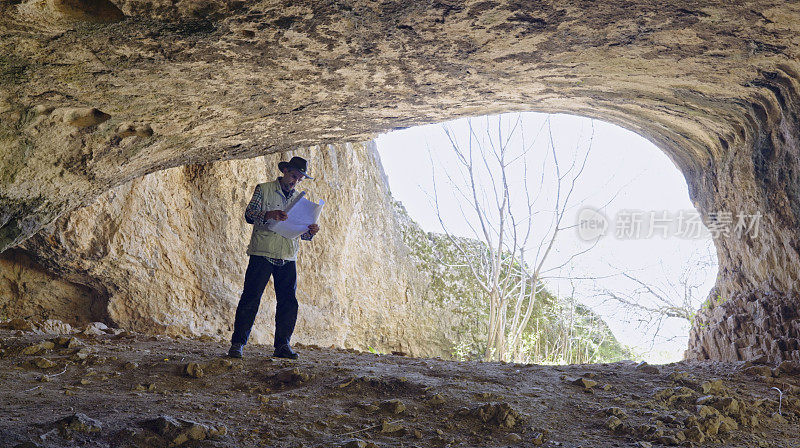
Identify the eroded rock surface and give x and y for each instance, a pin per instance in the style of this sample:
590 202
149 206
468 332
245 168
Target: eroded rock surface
715 85
747 327
27 290
166 254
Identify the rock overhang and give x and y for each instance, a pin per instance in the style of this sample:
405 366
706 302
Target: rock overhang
714 85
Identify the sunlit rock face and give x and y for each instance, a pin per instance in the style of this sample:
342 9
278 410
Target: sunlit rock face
166 254
90 99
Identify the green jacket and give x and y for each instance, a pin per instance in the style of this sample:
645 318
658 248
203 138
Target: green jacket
264 242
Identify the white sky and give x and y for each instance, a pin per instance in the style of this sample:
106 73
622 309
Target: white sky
621 166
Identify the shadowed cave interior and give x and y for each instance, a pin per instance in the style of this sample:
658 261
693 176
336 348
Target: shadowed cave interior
126 129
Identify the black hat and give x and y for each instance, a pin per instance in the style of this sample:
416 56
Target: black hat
297 163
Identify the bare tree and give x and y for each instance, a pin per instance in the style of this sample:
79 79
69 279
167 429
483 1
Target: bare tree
516 226
651 303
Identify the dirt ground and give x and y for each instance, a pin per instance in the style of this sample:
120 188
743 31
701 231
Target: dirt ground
117 389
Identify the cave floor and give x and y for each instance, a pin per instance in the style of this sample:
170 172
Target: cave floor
124 382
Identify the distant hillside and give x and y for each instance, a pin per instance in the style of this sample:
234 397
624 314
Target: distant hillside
560 330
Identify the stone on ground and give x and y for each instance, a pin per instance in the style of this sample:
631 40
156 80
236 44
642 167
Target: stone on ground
79 423
647 368
193 370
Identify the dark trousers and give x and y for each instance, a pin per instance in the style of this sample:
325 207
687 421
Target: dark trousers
258 272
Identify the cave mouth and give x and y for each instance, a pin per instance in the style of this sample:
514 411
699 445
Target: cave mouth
168 239
639 281
715 86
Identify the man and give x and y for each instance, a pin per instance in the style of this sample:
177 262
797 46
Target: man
271 254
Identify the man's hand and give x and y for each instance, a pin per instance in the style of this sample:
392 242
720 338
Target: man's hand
277 215
313 229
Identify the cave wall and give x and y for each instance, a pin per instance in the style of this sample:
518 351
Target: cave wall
167 251
95 97
753 312
29 291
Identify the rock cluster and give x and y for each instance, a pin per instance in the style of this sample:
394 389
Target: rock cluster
79 423
499 414
179 431
697 413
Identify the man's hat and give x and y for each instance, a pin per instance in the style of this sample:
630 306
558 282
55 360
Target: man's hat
297 163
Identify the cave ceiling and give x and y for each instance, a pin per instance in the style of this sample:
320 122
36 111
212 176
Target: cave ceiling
95 93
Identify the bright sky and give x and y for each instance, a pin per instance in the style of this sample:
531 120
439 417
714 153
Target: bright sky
626 177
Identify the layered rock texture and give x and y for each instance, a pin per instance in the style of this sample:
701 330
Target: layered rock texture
91 98
166 254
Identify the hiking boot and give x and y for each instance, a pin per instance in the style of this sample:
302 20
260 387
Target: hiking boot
235 351
284 351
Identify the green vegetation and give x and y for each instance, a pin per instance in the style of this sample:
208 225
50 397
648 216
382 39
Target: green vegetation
561 331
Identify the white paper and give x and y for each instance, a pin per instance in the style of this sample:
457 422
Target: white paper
300 216
294 201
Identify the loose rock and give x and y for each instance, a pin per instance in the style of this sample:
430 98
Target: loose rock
694 434
779 419
513 438
500 414
388 427
647 368
130 365
369 408
193 370
67 342
96 329
584 382
676 394
82 354
79 423
713 387
33 349
54 326
615 411
393 406
710 425
292 377
435 400
679 377
613 423
19 324
705 411
43 363
179 431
